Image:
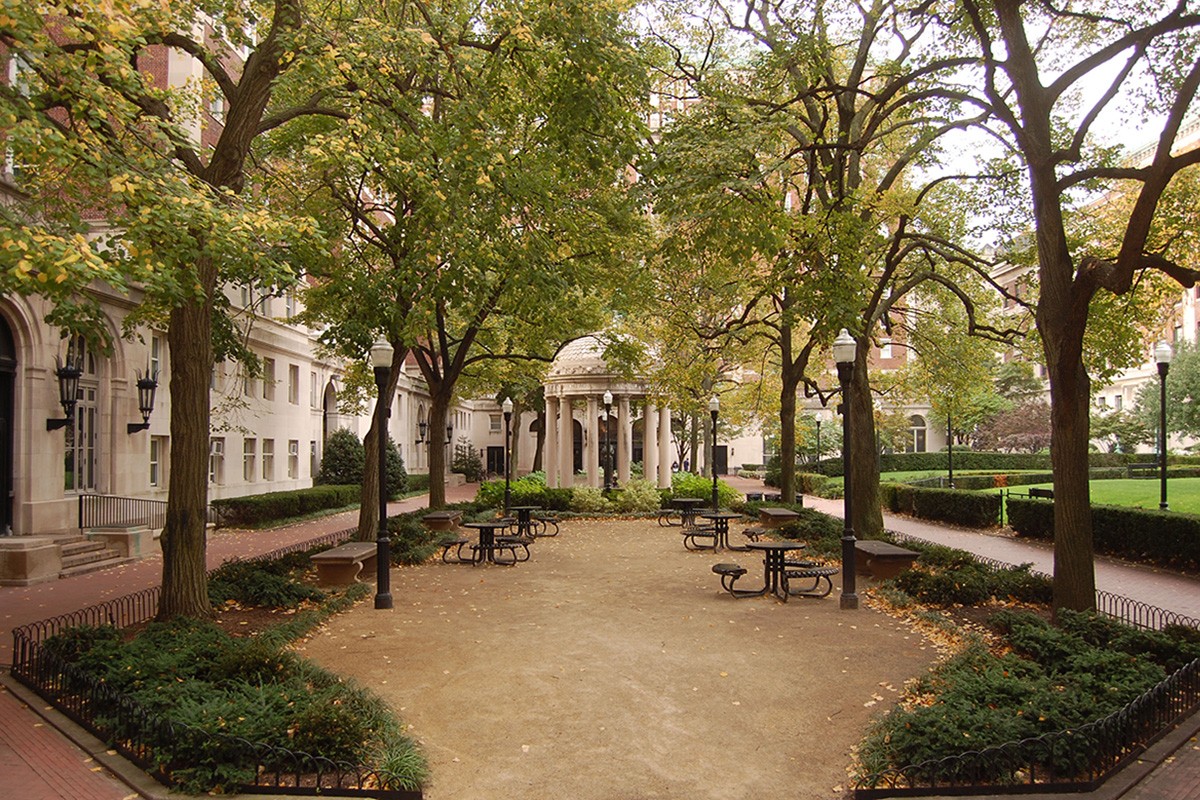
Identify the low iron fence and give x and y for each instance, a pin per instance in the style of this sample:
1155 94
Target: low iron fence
1076 760
131 729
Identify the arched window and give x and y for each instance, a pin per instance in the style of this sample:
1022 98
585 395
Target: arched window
916 429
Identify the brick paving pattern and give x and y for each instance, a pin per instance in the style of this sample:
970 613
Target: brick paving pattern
38 763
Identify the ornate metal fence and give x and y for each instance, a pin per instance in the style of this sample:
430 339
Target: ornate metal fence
1073 760
131 729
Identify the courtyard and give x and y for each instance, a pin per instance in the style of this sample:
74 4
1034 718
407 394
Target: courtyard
611 665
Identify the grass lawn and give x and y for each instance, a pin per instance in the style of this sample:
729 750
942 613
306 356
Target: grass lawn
1183 494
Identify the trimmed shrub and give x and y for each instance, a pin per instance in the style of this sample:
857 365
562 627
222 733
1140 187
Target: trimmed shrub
638 495
343 460
589 499
687 484
1148 535
418 482
397 477
257 509
948 505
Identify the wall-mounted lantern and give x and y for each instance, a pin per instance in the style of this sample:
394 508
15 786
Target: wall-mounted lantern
146 386
68 374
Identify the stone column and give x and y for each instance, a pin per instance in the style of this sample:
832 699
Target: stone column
566 443
591 444
624 440
664 448
550 443
650 442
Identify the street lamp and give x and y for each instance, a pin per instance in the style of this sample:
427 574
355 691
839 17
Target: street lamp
817 466
381 361
1162 355
949 451
606 445
714 408
507 405
844 353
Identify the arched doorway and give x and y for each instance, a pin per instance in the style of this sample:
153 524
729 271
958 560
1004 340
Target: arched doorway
328 411
8 375
577 437
917 430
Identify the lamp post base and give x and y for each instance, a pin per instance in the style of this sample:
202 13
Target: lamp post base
849 602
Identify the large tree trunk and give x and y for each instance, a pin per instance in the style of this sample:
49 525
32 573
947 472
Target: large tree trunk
867 516
184 569
787 433
368 508
540 441
437 452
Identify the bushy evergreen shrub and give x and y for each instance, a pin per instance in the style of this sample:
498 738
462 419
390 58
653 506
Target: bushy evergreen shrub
687 484
589 499
397 476
258 583
638 495
343 460
466 462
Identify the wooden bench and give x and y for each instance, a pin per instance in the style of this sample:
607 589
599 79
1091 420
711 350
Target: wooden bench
881 560
1042 494
771 517
341 565
442 520
1147 470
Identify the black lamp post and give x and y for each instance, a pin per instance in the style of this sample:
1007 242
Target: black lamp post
949 451
606 444
844 353
507 405
1162 355
817 466
714 408
381 361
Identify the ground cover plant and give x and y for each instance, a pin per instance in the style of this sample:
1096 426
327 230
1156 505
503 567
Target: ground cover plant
234 676
1013 674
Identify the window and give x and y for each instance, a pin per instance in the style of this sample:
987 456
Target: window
289 304
885 349
293 458
294 384
313 394
156 454
216 460
268 379
494 423
265 306
1102 401
916 427
249 450
247 385
158 349
268 460
313 463
216 107
247 297
1117 401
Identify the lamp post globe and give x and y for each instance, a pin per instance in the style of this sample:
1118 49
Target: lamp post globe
381 362
714 408
845 351
507 407
1162 357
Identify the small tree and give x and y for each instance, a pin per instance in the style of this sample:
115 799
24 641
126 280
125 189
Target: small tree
343 460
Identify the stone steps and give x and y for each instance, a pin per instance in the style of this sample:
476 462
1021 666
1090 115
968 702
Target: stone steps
80 556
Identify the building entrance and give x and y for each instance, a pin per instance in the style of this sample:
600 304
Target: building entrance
8 374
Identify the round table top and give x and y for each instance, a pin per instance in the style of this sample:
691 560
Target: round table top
500 523
688 501
775 545
719 515
524 508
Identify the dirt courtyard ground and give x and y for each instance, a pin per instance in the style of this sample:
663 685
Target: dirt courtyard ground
611 666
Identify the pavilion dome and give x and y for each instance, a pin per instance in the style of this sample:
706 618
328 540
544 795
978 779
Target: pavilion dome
582 357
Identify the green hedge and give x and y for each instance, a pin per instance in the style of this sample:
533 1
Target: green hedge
947 505
256 509
1158 537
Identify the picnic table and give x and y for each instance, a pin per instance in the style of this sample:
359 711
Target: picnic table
525 523
490 545
720 526
774 569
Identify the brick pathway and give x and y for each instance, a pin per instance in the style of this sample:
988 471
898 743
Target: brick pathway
38 763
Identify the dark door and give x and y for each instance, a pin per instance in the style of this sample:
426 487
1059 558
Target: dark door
495 460
8 374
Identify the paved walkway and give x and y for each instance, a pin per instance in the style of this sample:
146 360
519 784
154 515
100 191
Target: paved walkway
37 762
